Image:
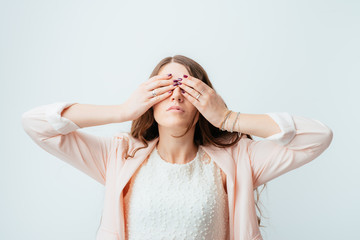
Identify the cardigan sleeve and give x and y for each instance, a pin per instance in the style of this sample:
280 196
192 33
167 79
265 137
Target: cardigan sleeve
300 141
62 138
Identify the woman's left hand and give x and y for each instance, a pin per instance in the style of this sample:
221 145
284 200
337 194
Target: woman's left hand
209 103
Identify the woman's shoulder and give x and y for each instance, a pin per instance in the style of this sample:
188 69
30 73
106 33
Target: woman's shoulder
121 134
239 146
128 140
233 149
124 139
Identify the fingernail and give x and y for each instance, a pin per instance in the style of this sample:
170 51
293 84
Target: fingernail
169 74
169 91
175 84
179 83
180 79
175 80
185 76
182 91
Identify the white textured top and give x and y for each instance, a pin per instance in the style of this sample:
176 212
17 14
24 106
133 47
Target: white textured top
176 201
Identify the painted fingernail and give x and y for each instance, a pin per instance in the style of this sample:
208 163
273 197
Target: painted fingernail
182 91
179 83
175 84
185 76
169 91
169 74
175 80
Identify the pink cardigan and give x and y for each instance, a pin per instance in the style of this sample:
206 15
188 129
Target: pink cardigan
247 165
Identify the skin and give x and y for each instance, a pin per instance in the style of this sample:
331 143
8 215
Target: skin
175 150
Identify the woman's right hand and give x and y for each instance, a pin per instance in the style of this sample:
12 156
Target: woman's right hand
142 99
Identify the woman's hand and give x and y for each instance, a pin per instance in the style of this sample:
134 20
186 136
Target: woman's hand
209 103
142 98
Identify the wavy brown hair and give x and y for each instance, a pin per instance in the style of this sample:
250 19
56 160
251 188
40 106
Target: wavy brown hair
145 128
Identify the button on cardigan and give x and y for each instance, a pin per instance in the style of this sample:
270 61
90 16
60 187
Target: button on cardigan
247 164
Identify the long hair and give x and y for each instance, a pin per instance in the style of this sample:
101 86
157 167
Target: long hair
145 128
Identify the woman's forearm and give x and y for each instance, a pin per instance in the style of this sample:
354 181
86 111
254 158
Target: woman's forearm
88 115
260 125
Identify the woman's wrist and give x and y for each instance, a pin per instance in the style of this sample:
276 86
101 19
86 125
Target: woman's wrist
120 115
223 122
232 123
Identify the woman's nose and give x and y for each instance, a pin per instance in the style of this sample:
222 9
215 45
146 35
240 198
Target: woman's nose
177 93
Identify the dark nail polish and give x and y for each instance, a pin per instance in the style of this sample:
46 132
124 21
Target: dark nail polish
175 80
170 91
182 91
175 84
185 76
179 83
169 74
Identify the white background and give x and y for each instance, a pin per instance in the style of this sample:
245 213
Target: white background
301 57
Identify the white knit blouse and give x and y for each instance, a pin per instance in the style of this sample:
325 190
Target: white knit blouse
176 201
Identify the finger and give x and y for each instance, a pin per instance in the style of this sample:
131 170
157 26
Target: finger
191 99
190 91
195 83
160 77
162 90
158 83
160 97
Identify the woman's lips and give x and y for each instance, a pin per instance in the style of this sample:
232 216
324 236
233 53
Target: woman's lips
178 108
175 110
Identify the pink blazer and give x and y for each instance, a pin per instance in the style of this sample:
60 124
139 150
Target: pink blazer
247 165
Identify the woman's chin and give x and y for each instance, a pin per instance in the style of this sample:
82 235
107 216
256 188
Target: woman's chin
178 125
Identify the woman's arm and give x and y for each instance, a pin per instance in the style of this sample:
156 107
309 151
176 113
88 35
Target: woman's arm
88 115
60 134
260 125
300 141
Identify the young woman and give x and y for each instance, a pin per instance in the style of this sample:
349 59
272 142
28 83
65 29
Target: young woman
189 167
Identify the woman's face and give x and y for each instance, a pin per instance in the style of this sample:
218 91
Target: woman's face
171 118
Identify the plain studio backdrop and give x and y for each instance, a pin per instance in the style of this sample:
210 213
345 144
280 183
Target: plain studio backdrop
300 57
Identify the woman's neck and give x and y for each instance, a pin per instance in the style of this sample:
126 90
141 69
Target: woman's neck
179 153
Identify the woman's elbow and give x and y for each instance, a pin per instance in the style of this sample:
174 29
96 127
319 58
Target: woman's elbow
328 137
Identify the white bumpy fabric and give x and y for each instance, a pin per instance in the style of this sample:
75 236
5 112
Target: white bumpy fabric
176 201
